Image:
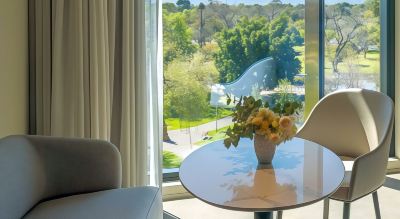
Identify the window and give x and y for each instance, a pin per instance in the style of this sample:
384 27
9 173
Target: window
214 48
306 48
352 45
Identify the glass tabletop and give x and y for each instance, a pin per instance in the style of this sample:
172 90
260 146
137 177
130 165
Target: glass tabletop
301 173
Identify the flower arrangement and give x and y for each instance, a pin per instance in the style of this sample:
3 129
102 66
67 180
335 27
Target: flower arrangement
276 124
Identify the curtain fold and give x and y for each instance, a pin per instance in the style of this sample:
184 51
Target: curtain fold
94 74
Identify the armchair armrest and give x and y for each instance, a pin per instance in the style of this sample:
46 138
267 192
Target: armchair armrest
369 171
75 165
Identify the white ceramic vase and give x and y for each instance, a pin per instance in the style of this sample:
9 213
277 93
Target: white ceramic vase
264 148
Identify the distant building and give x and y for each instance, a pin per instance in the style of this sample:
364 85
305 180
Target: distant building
260 75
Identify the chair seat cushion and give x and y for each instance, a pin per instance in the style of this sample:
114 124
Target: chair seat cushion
131 203
348 167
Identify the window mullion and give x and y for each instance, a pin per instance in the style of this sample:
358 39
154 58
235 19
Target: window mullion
314 53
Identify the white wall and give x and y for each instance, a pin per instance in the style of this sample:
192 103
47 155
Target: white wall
13 67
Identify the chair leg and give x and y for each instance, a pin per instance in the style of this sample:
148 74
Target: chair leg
346 210
376 205
326 208
280 213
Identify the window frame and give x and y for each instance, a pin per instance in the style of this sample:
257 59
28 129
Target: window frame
387 55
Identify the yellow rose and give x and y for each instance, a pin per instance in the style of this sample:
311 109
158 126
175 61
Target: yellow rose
275 124
265 125
289 133
270 114
293 131
286 122
274 138
273 117
257 121
262 112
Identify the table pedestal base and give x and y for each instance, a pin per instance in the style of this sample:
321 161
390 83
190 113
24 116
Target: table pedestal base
263 215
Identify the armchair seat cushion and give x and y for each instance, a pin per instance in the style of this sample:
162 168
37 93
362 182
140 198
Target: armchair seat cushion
343 191
131 203
348 167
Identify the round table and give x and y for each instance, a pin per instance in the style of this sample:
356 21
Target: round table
301 173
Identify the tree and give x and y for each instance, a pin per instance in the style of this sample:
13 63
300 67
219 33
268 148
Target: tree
279 2
297 13
194 74
170 7
214 22
367 36
186 89
373 5
345 23
165 132
183 4
224 12
274 8
283 39
177 37
300 26
241 46
209 50
254 39
191 102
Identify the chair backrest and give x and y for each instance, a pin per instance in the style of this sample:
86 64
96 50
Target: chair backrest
37 168
22 177
350 122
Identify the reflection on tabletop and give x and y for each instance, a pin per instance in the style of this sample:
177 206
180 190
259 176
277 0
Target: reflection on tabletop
300 172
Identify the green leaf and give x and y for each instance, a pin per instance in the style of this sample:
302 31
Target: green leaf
236 142
227 142
228 100
258 103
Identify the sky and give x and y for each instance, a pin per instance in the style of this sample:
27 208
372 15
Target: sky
261 2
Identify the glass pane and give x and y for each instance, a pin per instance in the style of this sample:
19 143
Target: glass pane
213 48
352 39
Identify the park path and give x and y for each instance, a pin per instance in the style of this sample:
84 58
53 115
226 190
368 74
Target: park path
181 139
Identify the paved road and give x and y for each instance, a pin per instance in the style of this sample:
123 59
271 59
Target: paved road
182 145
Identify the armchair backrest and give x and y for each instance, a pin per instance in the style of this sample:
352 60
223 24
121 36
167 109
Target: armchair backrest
22 177
350 122
37 168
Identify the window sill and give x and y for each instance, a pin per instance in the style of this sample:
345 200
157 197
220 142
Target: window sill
174 191
393 165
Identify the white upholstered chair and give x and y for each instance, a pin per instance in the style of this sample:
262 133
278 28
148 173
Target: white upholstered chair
51 177
357 125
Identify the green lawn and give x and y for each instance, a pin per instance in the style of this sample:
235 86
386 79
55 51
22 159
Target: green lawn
367 65
215 136
176 123
171 160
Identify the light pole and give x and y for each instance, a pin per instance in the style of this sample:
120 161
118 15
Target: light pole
216 120
201 40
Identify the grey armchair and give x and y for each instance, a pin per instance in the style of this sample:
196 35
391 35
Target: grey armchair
357 125
49 177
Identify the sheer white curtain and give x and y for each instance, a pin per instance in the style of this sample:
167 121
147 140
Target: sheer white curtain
155 72
93 74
